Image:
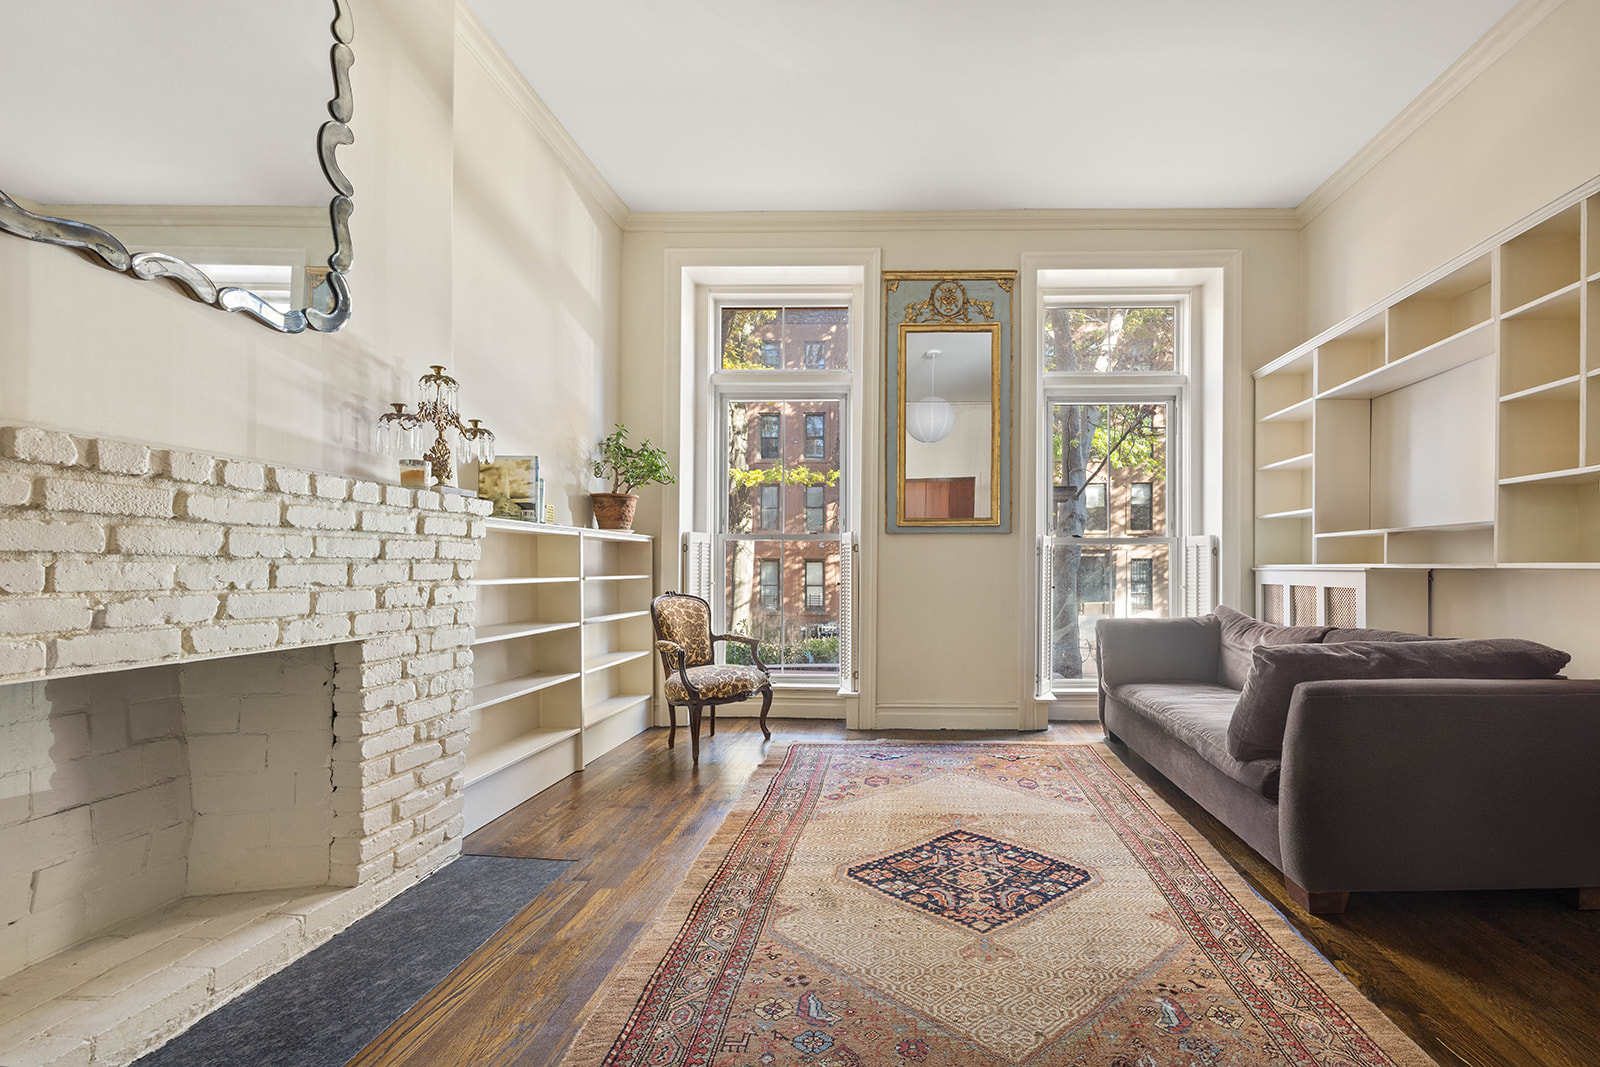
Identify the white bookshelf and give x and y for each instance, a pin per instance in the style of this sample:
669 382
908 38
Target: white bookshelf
1456 424
561 657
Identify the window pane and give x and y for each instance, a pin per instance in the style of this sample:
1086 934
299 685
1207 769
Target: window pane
815 445
783 466
1104 340
778 338
767 515
1094 496
786 593
745 334
816 338
1140 506
1141 573
1091 584
769 436
1100 452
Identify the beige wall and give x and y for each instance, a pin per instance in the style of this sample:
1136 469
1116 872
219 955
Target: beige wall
953 610
1520 135
536 265
85 349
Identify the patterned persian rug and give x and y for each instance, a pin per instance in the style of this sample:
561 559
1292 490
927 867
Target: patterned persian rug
972 905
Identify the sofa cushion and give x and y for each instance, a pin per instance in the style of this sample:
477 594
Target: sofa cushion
1341 634
1262 714
1241 635
1198 713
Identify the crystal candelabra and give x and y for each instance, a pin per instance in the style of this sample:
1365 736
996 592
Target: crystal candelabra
400 432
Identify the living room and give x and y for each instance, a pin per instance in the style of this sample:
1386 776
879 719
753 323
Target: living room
488 238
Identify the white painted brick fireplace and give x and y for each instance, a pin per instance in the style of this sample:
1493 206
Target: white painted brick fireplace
232 721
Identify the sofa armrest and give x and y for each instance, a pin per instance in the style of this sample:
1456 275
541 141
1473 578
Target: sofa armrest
1157 650
1441 784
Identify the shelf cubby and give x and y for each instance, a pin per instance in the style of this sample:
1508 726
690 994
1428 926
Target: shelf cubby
1539 344
1591 429
1351 547
1343 484
1453 305
1464 546
1539 431
1284 539
1278 395
1283 445
1356 352
1591 231
1551 520
521 550
1541 260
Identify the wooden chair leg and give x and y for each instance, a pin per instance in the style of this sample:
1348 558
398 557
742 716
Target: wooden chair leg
766 705
694 733
672 724
1330 903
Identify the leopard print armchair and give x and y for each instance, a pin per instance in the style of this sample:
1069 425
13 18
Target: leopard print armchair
684 639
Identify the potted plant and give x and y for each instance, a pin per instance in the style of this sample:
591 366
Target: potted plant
626 467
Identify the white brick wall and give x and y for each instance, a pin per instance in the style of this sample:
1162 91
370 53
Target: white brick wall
121 792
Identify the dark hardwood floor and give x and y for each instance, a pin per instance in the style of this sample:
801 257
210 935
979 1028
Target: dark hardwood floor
1477 979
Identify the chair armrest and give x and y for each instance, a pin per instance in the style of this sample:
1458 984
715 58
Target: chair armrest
754 643
1157 650
1441 783
672 655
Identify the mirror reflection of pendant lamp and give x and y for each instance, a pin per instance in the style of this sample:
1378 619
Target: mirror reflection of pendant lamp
931 418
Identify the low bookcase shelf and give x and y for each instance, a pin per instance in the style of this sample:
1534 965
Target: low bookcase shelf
1453 425
561 657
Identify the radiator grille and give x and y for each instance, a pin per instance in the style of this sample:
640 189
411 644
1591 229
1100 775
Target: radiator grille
1272 604
1302 605
1341 605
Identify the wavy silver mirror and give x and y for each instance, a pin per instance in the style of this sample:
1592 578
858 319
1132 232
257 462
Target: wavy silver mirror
186 140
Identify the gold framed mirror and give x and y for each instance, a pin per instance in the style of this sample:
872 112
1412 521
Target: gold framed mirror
949 401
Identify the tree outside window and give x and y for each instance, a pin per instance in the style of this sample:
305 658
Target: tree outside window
1094 576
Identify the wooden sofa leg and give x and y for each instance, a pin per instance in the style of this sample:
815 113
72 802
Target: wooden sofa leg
672 724
1584 898
694 733
1316 903
766 705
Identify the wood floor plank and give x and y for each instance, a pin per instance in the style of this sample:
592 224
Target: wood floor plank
1477 979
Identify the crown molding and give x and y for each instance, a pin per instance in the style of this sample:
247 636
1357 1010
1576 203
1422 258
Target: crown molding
1501 37
482 46
1026 219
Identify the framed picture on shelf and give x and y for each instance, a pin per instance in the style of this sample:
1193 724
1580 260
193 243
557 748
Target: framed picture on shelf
510 480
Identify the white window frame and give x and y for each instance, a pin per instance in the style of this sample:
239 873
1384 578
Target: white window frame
732 386
1128 387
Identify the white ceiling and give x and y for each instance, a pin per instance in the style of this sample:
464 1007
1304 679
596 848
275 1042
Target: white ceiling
706 105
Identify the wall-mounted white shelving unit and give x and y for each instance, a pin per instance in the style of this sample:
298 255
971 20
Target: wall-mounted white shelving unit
1455 425
561 657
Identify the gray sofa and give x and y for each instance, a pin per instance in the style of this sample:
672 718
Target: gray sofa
1362 760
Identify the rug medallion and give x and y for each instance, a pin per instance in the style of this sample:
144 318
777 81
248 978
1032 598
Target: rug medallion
956 905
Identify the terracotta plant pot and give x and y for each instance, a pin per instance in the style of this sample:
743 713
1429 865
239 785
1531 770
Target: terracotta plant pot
614 511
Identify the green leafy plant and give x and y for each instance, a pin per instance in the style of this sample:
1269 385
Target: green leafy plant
627 466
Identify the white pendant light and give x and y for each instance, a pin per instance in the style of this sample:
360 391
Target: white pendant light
931 418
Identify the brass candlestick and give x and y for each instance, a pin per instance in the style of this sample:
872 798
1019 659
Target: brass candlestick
400 431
